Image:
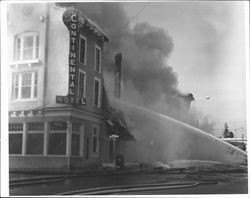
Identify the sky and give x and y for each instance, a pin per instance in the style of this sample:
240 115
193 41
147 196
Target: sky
208 55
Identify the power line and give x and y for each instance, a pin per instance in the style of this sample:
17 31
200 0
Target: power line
218 129
230 122
129 21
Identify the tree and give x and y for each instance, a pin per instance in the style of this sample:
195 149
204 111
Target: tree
244 147
226 132
231 134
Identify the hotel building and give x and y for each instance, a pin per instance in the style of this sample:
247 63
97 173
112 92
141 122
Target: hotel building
56 118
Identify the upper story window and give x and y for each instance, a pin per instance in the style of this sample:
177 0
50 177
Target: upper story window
97 59
97 92
82 83
26 46
24 85
82 49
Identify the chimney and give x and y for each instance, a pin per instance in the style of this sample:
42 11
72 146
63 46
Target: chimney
117 84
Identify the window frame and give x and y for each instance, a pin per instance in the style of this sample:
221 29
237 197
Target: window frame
59 131
85 51
17 132
100 59
79 136
20 86
35 132
99 92
35 46
95 154
84 88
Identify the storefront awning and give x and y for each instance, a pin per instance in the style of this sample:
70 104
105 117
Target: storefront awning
114 127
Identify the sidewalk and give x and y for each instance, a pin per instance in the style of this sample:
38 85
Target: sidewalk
14 177
106 169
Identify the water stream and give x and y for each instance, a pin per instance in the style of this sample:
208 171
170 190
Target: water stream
161 138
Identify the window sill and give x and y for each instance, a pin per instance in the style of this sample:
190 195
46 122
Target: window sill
38 155
24 100
41 155
55 155
34 155
25 62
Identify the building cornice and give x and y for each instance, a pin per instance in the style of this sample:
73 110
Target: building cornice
49 109
43 111
83 21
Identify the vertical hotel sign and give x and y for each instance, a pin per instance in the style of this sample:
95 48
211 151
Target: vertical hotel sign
70 19
72 55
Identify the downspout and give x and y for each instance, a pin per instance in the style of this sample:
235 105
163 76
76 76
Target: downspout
46 52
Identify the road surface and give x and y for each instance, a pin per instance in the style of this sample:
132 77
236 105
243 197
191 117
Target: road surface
218 183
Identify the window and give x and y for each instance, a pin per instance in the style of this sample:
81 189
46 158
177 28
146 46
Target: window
95 141
26 46
15 138
75 140
97 90
57 138
83 49
97 59
35 138
82 83
76 127
24 85
75 145
16 127
58 126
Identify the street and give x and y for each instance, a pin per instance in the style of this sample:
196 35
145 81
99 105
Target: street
209 183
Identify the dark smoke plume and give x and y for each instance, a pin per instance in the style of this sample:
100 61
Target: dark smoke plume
146 76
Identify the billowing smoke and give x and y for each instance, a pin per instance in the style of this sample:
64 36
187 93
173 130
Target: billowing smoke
147 78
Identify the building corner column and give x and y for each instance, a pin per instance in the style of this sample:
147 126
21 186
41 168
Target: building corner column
46 138
24 140
68 143
82 141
